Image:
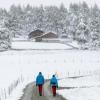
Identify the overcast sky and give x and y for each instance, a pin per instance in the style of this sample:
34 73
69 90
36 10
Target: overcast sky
7 3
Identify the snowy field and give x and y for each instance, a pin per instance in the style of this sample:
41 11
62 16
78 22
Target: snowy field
24 45
82 88
26 59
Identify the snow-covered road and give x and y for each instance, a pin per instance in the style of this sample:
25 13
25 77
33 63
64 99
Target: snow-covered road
31 93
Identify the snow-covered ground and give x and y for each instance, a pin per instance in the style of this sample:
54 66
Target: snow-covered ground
83 88
29 58
39 46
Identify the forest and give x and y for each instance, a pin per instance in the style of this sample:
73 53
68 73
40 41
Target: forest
78 22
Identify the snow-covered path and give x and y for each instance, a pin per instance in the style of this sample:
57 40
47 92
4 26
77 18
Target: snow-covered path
31 93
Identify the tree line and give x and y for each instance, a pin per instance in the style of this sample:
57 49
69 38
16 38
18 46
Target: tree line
79 22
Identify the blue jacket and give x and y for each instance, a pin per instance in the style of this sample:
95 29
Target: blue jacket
40 79
53 81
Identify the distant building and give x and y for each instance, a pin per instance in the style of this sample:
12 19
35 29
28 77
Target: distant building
47 37
35 34
38 39
64 36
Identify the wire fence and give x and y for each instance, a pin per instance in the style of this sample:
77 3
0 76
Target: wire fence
6 92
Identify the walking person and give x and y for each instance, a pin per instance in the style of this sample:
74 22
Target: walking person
54 84
40 83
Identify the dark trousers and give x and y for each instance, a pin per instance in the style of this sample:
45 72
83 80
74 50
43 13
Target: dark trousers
40 89
54 90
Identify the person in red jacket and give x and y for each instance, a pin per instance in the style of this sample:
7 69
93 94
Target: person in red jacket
54 84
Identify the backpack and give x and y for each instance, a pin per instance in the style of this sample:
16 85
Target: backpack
53 82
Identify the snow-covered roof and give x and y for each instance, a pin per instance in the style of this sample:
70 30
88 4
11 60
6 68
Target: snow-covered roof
45 34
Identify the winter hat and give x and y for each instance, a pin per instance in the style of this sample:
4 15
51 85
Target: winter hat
53 75
40 72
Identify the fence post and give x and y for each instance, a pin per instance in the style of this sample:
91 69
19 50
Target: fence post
5 96
79 72
68 74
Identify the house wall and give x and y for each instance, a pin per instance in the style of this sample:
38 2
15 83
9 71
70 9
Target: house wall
55 40
38 39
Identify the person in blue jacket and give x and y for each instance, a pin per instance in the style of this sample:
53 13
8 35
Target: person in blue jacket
40 82
54 84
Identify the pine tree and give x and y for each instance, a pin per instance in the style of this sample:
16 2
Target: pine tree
5 36
95 26
51 19
73 20
82 33
63 22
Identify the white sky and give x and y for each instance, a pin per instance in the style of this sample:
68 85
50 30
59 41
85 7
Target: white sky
7 3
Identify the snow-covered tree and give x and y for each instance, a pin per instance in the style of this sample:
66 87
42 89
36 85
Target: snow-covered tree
27 21
15 20
82 33
94 24
5 36
52 18
39 18
63 22
84 12
73 20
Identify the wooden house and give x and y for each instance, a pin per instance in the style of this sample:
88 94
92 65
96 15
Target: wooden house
47 37
35 34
